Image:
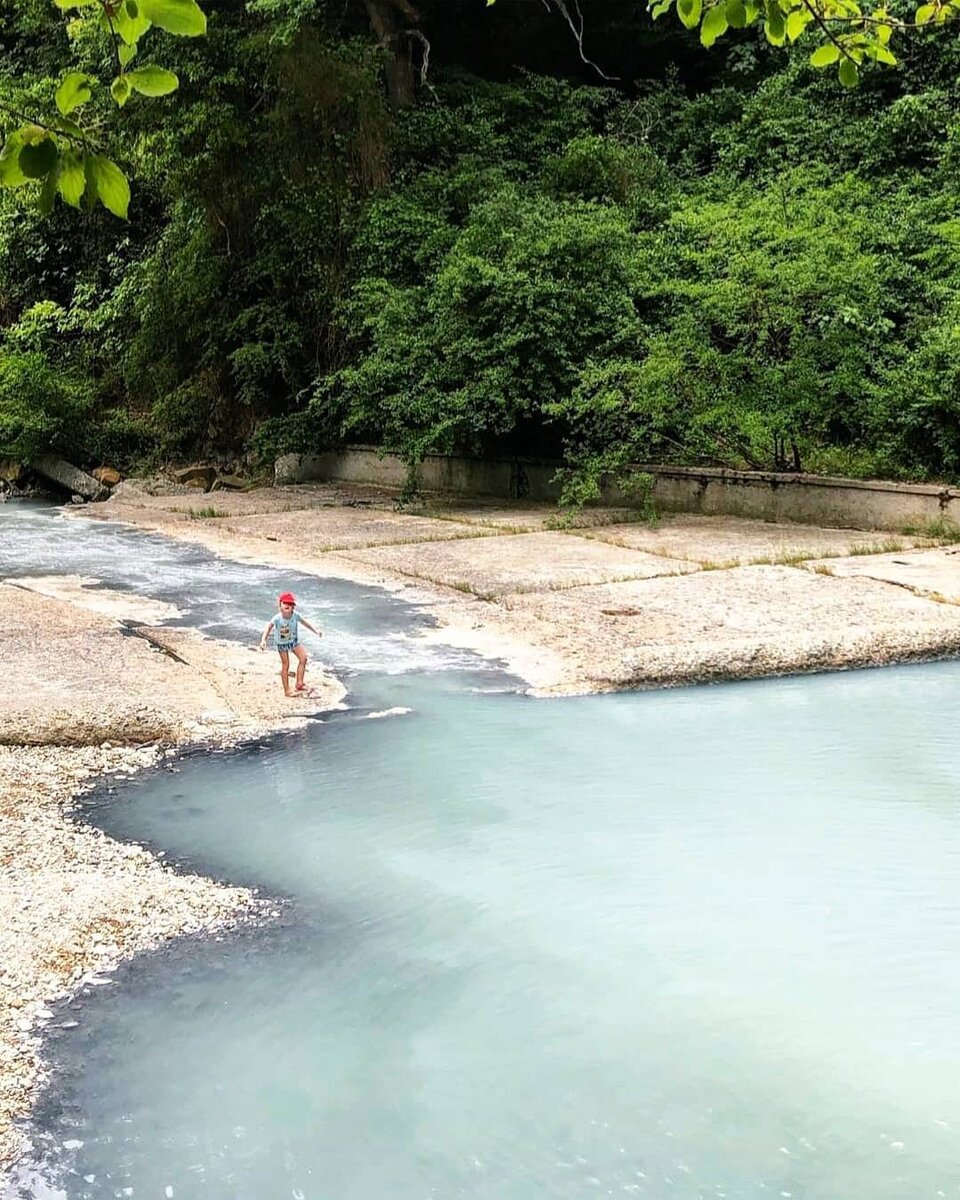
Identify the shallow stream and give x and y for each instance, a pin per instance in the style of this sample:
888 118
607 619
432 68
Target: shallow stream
685 944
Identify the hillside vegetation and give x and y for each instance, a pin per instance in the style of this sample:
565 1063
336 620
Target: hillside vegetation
718 257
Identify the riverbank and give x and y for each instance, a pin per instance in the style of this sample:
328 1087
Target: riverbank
103 694
607 602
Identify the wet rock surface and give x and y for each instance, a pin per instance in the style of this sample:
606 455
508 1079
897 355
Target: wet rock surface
604 600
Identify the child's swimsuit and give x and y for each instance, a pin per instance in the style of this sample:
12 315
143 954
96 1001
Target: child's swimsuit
285 631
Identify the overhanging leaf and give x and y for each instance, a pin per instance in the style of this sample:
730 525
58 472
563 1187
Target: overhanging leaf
689 12
109 183
823 56
849 75
183 17
714 25
75 89
153 81
10 173
72 179
37 159
120 90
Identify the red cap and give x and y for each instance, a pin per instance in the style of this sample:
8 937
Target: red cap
287 598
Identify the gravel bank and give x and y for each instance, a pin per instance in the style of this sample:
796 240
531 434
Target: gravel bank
73 902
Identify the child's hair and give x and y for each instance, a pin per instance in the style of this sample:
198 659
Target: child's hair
287 598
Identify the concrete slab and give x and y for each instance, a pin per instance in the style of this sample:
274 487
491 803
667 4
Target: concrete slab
189 502
523 517
933 573
315 531
739 623
521 563
731 541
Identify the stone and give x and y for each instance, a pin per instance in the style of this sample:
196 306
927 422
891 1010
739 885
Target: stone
197 476
231 483
109 476
71 478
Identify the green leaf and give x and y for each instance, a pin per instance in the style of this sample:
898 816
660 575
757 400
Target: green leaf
67 126
126 54
72 180
689 12
67 4
774 26
882 54
714 24
38 159
120 90
183 17
48 193
106 180
925 13
823 56
796 23
11 174
153 81
74 90
130 26
849 75
736 14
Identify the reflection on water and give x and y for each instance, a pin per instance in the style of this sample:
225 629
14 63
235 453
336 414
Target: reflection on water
690 944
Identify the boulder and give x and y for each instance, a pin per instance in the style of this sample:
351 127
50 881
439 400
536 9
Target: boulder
231 482
108 476
11 471
70 478
196 476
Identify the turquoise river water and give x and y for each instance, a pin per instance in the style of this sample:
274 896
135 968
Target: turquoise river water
686 945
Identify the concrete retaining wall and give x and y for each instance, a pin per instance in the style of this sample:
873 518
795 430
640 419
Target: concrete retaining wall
765 495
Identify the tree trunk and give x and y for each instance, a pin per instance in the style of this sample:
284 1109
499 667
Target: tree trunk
390 21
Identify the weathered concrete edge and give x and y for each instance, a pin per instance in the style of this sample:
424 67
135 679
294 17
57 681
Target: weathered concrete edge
714 491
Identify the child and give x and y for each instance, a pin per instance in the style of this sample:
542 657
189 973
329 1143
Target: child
285 626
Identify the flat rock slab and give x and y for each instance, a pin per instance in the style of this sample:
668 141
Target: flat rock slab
316 531
187 504
494 565
732 541
99 684
526 518
927 572
740 623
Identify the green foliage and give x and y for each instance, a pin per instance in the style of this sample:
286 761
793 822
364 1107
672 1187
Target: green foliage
737 262
41 408
850 36
62 148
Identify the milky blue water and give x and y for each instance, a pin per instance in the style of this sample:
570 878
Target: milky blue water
691 944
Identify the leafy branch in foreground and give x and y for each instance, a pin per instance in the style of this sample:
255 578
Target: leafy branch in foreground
849 35
62 149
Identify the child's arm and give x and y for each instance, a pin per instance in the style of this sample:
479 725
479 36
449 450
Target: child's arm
305 622
265 635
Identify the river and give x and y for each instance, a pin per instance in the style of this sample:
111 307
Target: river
692 944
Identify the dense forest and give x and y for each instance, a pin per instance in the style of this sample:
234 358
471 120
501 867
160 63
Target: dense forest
471 231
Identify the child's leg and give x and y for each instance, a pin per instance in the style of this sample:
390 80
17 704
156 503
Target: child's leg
285 671
302 658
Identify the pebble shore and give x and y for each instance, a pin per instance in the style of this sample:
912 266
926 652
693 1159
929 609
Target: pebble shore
74 903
